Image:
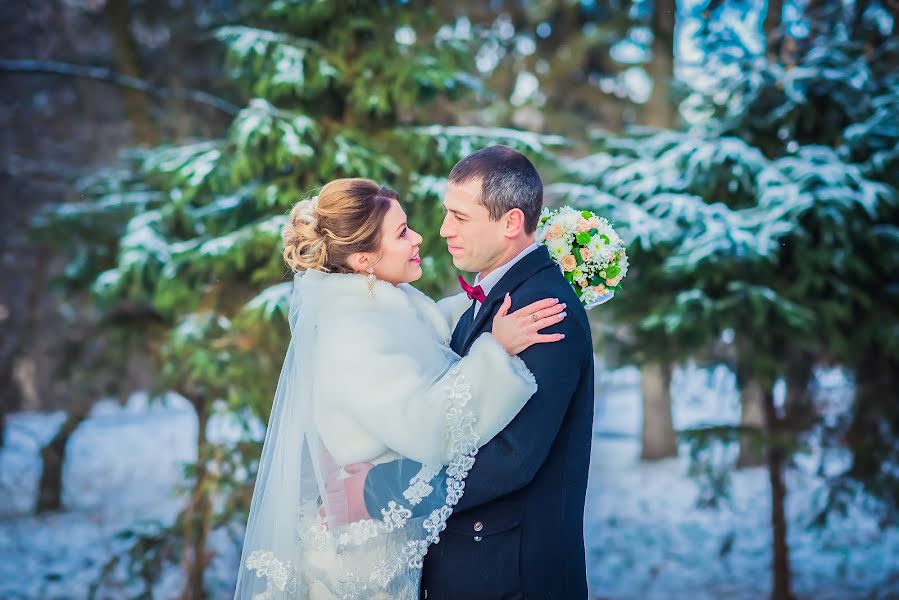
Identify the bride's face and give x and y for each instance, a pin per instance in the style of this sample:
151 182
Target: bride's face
399 261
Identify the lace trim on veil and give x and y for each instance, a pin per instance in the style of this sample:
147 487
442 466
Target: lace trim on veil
462 439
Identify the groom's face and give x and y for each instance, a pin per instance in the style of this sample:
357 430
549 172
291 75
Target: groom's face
472 238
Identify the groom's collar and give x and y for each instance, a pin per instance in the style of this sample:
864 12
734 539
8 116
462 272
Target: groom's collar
492 278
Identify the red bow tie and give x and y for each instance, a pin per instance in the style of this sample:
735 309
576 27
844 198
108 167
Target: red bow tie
475 292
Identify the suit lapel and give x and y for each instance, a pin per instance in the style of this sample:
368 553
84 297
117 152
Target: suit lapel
519 273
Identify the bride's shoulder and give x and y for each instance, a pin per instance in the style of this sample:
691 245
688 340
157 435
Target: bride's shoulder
344 303
414 294
345 291
428 308
347 300
443 313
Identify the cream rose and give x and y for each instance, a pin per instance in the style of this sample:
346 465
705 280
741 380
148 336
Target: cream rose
568 263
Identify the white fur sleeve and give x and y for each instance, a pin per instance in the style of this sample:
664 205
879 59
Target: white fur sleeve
500 385
405 387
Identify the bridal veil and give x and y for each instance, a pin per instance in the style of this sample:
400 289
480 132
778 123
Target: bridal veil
302 538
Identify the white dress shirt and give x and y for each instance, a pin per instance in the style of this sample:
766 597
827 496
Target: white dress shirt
489 282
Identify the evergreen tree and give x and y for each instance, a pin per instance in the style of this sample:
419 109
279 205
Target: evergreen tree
832 82
782 203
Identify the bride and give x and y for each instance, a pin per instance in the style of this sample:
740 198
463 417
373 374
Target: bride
369 377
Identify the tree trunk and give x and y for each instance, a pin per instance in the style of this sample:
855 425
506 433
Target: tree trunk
780 565
125 50
658 437
197 517
875 416
53 455
3 411
15 332
752 415
9 396
800 412
771 26
660 111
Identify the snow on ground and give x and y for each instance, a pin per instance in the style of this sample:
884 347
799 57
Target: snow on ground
645 537
122 466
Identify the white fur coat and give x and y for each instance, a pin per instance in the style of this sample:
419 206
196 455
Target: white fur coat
384 374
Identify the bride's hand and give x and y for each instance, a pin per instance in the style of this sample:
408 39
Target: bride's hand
517 331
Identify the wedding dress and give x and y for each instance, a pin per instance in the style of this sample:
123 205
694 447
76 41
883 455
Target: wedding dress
368 378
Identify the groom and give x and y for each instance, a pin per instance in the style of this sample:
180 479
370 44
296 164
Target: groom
517 531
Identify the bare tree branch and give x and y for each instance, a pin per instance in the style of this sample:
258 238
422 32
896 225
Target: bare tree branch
110 76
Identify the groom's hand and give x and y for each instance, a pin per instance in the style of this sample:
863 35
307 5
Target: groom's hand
348 491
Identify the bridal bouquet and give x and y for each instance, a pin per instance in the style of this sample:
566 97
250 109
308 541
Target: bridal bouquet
589 252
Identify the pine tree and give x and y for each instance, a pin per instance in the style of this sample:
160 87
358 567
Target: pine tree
780 203
835 86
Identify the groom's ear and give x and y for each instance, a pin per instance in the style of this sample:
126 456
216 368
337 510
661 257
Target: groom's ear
514 223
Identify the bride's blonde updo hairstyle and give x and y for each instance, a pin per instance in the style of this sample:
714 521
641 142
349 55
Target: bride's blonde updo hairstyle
343 219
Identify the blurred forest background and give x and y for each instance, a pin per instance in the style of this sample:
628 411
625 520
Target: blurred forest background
747 425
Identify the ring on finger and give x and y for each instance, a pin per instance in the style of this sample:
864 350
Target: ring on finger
533 316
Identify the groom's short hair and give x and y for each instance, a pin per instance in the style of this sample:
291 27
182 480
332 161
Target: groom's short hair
508 180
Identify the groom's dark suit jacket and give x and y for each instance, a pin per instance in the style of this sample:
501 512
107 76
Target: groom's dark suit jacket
517 532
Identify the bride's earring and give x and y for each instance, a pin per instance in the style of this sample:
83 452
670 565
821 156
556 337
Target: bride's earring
371 282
